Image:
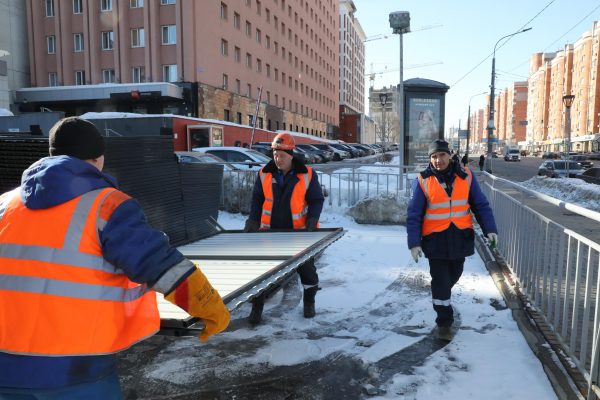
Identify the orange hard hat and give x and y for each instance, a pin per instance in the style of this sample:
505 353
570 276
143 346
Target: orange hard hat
283 141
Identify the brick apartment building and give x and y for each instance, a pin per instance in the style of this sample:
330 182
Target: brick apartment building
201 58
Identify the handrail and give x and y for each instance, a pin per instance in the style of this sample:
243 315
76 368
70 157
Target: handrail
584 212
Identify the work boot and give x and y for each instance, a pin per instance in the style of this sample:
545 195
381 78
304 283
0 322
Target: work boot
309 301
445 333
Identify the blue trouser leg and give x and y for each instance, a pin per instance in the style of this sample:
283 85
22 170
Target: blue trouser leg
107 388
444 275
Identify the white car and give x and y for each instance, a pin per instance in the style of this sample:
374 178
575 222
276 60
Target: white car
239 157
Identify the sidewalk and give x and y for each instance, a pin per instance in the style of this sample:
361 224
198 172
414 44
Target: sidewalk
372 337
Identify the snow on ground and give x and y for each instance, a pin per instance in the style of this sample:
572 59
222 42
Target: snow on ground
375 303
571 190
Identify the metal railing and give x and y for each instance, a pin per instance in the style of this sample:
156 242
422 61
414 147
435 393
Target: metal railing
342 188
556 268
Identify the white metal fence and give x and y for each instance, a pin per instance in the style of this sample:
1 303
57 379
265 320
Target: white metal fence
342 187
556 268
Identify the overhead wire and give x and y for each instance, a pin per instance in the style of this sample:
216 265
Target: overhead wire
489 55
563 35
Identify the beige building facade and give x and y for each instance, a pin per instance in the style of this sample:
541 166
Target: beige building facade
286 51
352 60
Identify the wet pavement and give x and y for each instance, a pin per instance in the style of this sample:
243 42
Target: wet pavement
161 367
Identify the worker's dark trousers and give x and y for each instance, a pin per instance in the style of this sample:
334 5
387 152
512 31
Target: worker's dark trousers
308 273
444 274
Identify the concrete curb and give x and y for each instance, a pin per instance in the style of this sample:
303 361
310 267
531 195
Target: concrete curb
567 382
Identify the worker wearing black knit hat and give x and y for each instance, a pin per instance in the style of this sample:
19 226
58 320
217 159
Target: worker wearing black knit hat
84 249
76 137
440 226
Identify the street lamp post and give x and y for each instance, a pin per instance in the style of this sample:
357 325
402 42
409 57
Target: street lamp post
568 102
383 100
469 122
400 23
490 125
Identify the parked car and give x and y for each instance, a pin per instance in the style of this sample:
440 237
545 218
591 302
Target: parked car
591 175
264 148
394 147
583 161
593 156
240 157
337 153
316 153
323 155
558 169
353 152
193 157
550 155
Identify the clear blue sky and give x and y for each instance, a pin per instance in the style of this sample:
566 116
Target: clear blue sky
467 35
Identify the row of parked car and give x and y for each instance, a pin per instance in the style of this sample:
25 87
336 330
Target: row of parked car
260 153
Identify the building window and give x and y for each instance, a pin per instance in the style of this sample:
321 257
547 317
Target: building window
108 75
138 74
238 118
170 73
226 115
166 2
49 8
248 29
224 48
78 42
136 3
237 54
258 7
223 10
107 40
51 41
268 41
105 5
52 79
260 122
169 35
137 37
77 6
248 60
80 77
258 36
238 86
236 20
258 65
268 14
268 70
225 82
249 90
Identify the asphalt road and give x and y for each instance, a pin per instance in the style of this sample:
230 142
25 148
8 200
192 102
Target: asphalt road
516 171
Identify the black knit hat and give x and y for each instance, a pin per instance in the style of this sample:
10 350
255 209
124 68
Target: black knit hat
76 137
437 146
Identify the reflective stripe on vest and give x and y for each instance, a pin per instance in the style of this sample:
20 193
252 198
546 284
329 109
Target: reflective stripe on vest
298 205
57 293
442 210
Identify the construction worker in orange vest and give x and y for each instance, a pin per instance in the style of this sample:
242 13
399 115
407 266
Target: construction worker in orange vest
79 272
440 226
287 195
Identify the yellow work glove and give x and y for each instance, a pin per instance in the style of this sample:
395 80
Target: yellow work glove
197 296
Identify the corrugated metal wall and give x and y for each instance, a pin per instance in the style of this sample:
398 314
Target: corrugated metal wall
177 198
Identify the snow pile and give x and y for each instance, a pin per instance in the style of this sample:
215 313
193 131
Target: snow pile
571 190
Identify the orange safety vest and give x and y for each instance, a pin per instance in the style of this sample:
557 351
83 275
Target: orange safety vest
58 295
298 204
442 210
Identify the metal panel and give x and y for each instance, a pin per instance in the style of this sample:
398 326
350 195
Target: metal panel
249 245
242 266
